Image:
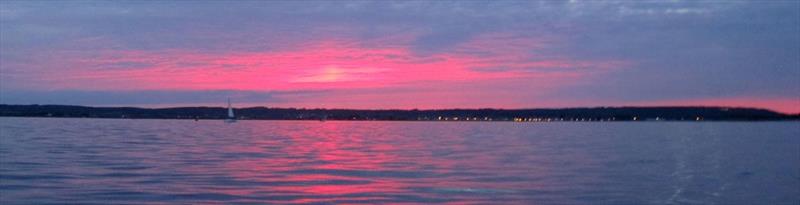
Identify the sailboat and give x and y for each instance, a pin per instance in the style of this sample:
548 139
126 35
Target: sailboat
231 118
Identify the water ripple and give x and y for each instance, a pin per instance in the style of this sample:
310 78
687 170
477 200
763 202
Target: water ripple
91 161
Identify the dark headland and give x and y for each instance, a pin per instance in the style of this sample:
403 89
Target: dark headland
533 115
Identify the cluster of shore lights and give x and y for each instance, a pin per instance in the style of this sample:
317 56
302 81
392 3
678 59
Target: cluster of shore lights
535 119
519 119
440 118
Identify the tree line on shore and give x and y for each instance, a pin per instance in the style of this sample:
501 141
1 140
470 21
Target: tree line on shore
526 115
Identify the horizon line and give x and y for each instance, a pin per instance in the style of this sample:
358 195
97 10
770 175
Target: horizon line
427 109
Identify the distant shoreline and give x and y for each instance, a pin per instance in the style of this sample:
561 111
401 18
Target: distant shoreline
661 113
334 120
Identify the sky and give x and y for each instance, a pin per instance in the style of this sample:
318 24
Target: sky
401 54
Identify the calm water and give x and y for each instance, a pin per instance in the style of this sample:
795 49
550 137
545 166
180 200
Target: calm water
102 161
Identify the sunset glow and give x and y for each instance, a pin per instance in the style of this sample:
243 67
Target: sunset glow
514 56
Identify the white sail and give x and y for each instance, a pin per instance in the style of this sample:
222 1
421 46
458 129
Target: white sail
231 118
230 109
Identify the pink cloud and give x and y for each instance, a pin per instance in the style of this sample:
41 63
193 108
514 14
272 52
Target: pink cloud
331 64
359 76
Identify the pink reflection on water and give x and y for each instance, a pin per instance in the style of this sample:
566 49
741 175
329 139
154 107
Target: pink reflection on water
379 161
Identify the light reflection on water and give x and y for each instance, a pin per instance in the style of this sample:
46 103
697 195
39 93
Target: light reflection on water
252 162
